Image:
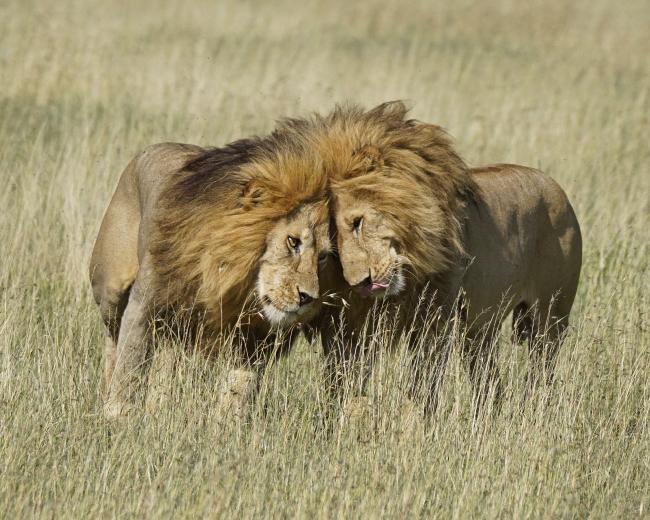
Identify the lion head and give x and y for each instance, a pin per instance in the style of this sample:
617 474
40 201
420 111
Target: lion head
397 189
243 227
287 277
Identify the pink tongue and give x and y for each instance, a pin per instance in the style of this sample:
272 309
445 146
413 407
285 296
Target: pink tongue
374 287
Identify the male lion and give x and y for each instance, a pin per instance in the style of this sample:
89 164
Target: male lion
410 216
204 242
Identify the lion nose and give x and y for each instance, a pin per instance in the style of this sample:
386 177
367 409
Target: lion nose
304 298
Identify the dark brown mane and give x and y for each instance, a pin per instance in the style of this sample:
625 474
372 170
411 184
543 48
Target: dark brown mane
212 170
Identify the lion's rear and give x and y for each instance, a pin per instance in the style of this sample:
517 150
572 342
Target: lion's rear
540 238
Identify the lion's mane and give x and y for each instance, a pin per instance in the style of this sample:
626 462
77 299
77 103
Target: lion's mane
408 169
215 215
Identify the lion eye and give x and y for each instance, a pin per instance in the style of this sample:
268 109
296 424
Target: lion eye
293 243
356 223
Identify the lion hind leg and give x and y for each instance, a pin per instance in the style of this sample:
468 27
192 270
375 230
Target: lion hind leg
549 321
549 326
522 323
481 357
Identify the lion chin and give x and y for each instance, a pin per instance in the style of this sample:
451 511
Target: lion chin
283 318
279 317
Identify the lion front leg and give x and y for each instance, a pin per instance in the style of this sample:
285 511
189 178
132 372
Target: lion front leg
162 373
481 357
237 393
132 358
348 365
427 365
110 357
241 384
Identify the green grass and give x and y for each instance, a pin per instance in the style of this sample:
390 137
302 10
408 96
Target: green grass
85 85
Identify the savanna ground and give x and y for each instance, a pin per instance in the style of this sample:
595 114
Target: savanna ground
85 85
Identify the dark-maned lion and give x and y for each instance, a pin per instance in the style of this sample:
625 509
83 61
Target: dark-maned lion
410 216
204 241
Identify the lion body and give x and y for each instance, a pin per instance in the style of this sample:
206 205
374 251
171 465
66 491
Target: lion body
191 233
414 222
189 236
521 249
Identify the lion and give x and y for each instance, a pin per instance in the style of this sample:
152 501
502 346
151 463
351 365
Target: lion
411 218
204 242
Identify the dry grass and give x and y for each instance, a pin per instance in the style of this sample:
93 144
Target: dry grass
84 85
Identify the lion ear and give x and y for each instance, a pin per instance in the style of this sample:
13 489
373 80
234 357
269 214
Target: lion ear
252 194
369 159
394 111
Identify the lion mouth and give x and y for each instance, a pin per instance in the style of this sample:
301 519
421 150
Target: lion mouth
373 289
390 284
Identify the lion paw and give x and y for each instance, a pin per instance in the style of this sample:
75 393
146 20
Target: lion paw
236 393
410 419
114 410
357 417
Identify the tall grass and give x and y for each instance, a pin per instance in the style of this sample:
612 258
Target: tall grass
84 85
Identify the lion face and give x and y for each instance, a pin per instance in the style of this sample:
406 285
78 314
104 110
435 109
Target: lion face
368 248
287 283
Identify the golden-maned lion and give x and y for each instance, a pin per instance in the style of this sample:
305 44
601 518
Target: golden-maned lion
410 216
206 241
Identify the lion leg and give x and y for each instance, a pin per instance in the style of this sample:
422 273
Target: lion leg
112 304
241 384
114 263
237 393
110 356
348 366
548 329
132 361
161 373
522 323
427 370
481 357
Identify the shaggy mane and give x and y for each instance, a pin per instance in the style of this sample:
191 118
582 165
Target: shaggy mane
408 169
215 215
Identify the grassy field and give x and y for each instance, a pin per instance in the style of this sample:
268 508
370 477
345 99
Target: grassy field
84 85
